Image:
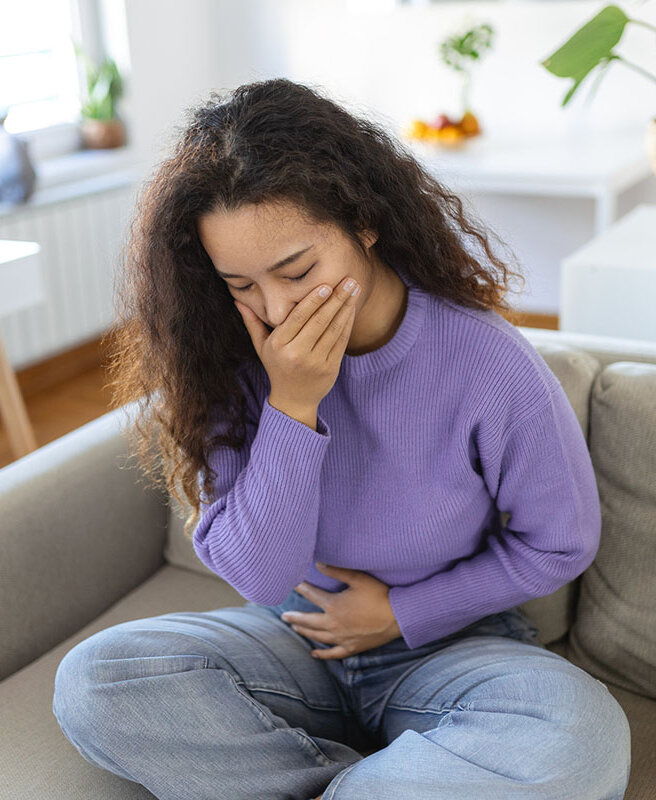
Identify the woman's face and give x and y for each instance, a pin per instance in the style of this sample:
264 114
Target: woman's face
244 244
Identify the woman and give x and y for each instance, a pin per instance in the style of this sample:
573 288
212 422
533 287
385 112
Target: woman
347 457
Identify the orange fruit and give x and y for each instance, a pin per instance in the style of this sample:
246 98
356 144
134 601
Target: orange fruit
469 124
451 135
417 129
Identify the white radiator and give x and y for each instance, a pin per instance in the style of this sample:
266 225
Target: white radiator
81 230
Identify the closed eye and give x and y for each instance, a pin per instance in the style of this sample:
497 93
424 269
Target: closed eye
250 285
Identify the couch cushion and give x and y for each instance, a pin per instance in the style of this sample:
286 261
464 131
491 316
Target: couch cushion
36 759
552 614
178 550
641 713
614 636
78 531
606 349
575 369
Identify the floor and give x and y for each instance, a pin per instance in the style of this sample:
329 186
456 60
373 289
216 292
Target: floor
62 408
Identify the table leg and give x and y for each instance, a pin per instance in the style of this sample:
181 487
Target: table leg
12 407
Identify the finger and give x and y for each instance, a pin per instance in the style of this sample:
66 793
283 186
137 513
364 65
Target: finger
318 636
335 338
330 321
330 652
314 621
301 313
257 330
315 595
344 574
309 320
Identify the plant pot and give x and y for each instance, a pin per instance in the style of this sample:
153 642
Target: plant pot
650 141
102 134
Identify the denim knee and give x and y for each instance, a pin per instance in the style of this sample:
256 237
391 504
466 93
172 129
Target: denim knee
605 728
598 735
69 703
88 675
78 673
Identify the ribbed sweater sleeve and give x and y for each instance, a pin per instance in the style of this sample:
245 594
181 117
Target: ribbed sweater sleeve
259 532
539 471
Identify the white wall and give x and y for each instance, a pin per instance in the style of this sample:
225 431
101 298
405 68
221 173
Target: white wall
378 57
180 50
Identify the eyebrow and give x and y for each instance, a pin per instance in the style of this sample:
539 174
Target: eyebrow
282 263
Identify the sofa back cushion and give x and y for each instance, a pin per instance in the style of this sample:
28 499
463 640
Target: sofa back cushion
179 550
576 370
614 634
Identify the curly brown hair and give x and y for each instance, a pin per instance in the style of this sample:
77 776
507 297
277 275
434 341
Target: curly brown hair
179 342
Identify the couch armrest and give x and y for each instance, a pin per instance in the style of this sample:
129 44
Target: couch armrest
79 528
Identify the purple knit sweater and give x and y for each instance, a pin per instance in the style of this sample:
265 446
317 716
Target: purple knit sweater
419 446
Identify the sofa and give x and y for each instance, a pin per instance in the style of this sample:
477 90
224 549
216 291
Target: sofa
87 541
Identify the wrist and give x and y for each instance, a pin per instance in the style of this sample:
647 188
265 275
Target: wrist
277 401
393 629
305 414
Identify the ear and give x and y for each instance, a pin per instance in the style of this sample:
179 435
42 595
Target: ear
368 237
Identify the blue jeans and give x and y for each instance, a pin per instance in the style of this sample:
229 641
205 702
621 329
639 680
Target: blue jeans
229 705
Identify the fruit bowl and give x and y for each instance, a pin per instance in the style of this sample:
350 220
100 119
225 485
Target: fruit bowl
444 131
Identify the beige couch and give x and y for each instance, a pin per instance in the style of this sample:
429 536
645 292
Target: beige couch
86 543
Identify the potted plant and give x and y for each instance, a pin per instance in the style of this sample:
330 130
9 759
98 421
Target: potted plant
460 52
100 126
591 46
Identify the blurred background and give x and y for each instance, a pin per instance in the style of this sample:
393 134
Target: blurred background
91 92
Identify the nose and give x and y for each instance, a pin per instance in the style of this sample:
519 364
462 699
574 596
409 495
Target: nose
277 312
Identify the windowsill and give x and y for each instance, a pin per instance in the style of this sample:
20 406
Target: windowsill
78 173
82 164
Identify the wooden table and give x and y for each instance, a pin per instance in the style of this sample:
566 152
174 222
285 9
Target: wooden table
20 287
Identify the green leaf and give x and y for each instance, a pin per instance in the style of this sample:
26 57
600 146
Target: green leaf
588 47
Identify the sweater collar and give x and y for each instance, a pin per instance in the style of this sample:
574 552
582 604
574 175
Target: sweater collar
398 346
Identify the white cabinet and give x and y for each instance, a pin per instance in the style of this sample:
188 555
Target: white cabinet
608 287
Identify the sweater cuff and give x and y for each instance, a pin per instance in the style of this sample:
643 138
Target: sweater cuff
438 606
281 423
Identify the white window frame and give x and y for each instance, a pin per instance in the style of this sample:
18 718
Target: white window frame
62 139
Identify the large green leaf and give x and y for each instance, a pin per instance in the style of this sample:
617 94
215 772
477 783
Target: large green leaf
591 45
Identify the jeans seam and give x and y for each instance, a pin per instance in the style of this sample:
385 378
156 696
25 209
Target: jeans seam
443 710
288 694
340 778
186 633
326 760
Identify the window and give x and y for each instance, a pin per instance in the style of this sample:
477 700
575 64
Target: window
40 77
38 70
